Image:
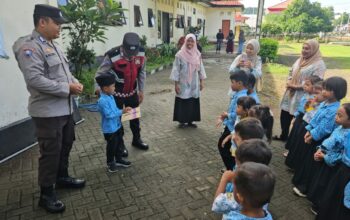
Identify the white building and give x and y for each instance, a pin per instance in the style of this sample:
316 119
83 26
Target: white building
159 20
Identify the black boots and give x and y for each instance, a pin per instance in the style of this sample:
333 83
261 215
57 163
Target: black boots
49 202
137 142
125 152
70 182
65 181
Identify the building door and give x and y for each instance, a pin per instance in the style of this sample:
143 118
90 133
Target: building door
165 28
225 27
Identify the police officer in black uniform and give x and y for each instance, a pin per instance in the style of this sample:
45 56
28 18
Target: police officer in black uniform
127 63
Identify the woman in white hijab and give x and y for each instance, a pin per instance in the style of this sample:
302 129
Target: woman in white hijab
249 61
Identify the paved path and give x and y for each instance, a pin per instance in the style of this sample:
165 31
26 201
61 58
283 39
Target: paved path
175 179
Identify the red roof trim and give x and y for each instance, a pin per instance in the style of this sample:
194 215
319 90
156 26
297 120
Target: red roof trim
226 3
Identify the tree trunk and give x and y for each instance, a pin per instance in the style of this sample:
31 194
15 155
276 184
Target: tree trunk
299 36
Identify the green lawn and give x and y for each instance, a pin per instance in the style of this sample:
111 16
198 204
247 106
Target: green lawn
276 69
335 56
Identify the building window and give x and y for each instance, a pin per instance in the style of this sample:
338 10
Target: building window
122 20
159 24
180 21
171 19
199 22
189 21
150 18
194 11
137 16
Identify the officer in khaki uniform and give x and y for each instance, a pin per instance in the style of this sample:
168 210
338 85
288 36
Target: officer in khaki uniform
52 87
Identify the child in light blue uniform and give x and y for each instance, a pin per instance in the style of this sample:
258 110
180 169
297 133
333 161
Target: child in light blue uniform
243 105
319 128
253 150
335 201
239 81
330 153
251 88
110 122
254 185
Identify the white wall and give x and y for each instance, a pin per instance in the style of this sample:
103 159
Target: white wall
214 20
15 21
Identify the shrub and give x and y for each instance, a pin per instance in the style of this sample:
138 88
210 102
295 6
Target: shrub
167 50
268 49
87 78
143 41
152 54
203 41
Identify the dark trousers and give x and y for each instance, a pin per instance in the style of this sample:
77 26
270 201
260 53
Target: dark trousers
133 102
225 152
55 137
218 44
285 120
113 146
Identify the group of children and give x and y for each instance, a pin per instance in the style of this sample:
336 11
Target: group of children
247 185
318 151
319 148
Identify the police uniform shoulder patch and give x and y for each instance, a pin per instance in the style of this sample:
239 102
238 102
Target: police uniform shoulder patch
28 51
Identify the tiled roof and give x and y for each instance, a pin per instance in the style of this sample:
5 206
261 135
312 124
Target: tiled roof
280 6
227 3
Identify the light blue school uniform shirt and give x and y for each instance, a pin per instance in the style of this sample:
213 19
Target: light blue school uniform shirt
334 145
110 113
323 122
229 122
235 215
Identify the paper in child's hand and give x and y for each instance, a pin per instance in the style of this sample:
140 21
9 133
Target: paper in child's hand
133 114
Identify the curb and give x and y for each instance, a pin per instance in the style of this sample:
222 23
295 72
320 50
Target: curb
159 69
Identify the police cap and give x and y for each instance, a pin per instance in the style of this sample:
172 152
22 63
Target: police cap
131 43
50 11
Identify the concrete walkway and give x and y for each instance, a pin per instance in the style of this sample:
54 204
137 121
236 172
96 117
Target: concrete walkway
175 179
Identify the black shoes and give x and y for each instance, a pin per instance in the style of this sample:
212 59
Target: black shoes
112 167
125 152
191 124
70 182
279 138
49 202
139 144
122 163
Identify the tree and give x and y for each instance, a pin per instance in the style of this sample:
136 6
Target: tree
305 17
343 19
88 21
272 25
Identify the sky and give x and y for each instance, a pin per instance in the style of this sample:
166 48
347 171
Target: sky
338 5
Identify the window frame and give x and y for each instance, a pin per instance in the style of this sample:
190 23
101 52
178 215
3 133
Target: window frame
180 21
151 19
138 21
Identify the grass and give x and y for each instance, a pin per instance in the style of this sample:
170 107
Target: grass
335 56
276 69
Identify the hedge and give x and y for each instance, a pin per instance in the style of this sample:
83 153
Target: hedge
268 49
